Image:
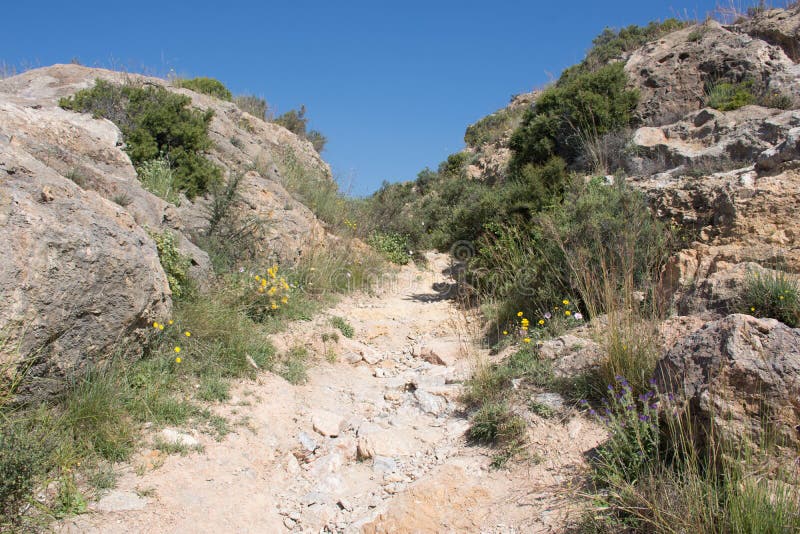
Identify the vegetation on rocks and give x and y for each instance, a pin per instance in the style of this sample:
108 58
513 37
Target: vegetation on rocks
155 124
207 86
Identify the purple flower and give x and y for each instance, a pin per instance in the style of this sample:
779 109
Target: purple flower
547 315
654 406
584 401
592 412
619 378
671 397
630 407
644 417
652 381
610 387
642 398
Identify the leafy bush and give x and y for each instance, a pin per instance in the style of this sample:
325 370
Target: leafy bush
207 86
590 103
394 247
774 294
175 264
157 177
254 105
155 124
726 96
495 424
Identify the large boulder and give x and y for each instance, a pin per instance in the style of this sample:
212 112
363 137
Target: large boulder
77 275
740 375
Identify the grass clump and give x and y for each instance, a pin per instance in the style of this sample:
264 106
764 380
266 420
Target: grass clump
728 96
157 177
293 367
343 326
655 474
207 86
772 293
155 123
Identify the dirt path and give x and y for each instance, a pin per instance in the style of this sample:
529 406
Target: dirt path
373 442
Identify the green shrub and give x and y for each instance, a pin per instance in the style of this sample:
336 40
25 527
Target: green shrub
495 424
772 293
296 122
207 86
726 96
23 454
582 104
254 105
155 123
776 99
394 247
343 326
175 264
157 177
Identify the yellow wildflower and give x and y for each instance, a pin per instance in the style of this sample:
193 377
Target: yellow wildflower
274 306
178 360
160 326
752 308
505 332
284 300
177 350
527 340
567 313
155 325
170 321
187 334
519 314
565 302
541 321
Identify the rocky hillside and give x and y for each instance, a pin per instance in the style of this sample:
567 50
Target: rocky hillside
80 270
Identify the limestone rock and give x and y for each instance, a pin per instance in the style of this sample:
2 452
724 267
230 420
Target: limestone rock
737 373
78 276
327 423
672 72
172 436
779 27
119 501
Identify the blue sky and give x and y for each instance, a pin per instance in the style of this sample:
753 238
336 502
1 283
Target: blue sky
391 84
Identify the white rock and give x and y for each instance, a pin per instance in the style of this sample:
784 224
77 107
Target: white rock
308 443
170 435
429 403
120 501
327 423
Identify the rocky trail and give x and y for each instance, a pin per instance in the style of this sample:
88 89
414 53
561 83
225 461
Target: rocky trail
374 442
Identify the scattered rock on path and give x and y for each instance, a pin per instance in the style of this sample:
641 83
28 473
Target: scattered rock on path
120 501
327 423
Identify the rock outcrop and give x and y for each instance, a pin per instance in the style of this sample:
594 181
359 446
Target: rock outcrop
77 274
673 73
740 375
80 272
779 27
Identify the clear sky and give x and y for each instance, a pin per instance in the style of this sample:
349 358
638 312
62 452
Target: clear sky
391 84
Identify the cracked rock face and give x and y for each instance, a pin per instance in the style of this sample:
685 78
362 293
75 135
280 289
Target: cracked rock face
673 72
737 373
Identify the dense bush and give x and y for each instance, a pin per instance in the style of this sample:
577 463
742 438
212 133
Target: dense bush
207 86
22 454
155 123
392 246
580 106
